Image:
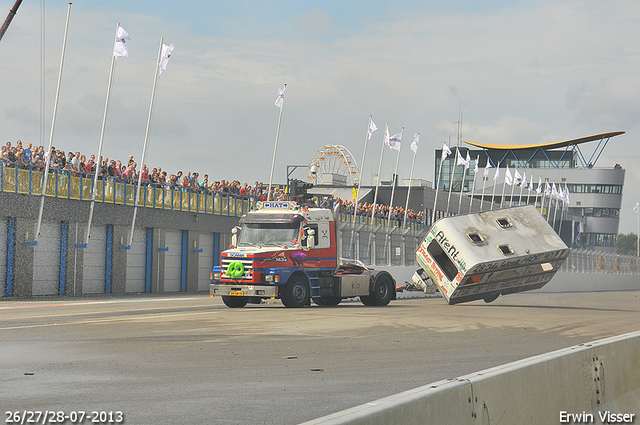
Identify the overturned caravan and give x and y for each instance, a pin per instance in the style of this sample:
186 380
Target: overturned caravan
488 254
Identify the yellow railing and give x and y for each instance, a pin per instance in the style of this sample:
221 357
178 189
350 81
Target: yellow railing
77 187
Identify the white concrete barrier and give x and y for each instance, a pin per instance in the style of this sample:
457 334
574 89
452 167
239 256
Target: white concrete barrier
594 383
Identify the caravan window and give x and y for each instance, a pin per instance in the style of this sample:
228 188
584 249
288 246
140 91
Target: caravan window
442 260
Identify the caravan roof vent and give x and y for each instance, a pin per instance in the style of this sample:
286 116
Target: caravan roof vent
475 238
504 222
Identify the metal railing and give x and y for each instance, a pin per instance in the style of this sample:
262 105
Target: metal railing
61 184
585 261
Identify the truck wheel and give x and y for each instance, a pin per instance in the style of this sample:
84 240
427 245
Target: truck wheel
382 292
327 301
234 302
296 293
491 298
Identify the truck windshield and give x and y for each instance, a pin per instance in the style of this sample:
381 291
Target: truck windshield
261 234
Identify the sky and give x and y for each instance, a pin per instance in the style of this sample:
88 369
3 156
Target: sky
504 72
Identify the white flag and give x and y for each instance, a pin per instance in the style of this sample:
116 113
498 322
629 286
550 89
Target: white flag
394 141
416 141
508 179
460 160
554 190
166 54
120 49
567 197
467 162
518 178
445 152
475 169
539 189
486 167
280 99
547 188
531 184
497 174
373 127
523 185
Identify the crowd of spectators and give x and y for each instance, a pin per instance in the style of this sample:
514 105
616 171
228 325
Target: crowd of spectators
75 163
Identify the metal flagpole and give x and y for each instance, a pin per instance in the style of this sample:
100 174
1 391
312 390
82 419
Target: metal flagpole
416 138
522 183
375 196
637 208
513 186
504 185
53 123
99 164
473 186
485 173
435 199
495 177
393 182
275 148
455 161
355 208
136 200
464 173
555 211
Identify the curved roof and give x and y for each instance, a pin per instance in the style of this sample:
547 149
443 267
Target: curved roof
550 145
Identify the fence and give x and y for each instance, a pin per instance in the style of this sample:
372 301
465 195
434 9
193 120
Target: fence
78 187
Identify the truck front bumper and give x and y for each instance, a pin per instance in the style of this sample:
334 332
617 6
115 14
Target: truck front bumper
262 291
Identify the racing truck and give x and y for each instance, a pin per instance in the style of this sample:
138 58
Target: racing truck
288 251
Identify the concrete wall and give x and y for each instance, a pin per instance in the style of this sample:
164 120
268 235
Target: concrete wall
58 265
594 378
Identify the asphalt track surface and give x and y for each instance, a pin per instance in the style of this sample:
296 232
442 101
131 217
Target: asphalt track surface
190 359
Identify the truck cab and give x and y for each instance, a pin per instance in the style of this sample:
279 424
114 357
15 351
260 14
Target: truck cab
288 251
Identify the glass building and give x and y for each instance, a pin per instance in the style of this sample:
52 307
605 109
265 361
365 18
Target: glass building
595 189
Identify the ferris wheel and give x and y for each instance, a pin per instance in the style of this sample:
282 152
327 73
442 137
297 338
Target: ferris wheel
333 164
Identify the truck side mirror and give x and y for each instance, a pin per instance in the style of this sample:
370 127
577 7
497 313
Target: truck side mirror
234 237
310 238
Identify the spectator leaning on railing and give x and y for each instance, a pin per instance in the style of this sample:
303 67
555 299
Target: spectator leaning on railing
34 158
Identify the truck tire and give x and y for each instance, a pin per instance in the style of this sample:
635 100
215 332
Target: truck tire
382 291
331 301
234 302
296 293
491 298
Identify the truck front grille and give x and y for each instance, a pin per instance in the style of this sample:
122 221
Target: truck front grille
246 262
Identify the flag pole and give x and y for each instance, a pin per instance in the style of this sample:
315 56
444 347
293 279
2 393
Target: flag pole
144 146
495 177
473 186
375 196
435 198
524 180
393 183
453 173
99 164
555 210
513 186
638 230
484 183
275 148
504 185
464 174
413 163
355 208
53 123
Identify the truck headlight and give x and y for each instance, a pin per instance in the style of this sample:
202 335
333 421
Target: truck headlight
268 278
215 276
